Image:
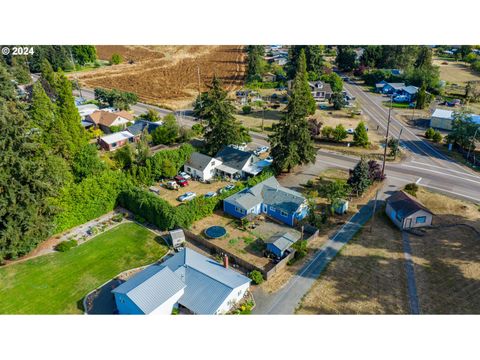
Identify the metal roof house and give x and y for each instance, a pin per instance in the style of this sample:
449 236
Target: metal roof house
116 140
407 212
201 166
270 198
279 243
140 125
186 279
237 163
443 119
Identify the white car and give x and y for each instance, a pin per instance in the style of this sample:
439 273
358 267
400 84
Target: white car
350 130
261 150
242 146
184 175
187 196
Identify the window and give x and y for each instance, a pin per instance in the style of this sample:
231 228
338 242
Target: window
421 220
239 210
272 209
284 213
189 169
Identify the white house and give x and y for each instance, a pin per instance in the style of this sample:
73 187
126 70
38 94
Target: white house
188 280
201 166
86 109
407 212
442 119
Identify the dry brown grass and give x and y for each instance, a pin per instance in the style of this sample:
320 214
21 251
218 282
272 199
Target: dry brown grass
456 72
167 75
194 186
447 258
367 277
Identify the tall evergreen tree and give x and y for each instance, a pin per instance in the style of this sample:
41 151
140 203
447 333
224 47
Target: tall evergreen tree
360 136
29 177
291 139
68 119
255 62
314 58
42 114
359 179
222 128
421 97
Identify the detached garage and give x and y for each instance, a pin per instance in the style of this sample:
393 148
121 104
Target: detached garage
407 212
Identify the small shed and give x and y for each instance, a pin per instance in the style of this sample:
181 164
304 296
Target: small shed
407 212
281 242
177 237
342 207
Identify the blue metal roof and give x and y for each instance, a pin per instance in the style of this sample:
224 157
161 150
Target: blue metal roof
140 125
151 287
206 283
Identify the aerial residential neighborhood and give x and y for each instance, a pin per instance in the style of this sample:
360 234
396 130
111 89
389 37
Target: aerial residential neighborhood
240 179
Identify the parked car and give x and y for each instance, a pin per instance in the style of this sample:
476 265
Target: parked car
350 130
226 188
187 196
260 150
242 146
400 99
349 97
454 102
184 175
269 159
181 181
210 195
172 185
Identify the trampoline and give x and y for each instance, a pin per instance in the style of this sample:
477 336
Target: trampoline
215 232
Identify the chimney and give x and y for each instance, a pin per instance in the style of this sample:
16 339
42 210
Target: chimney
225 261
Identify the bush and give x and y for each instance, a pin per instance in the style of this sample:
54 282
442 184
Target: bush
116 59
256 277
339 133
118 217
437 137
66 245
301 249
411 188
429 133
327 132
247 109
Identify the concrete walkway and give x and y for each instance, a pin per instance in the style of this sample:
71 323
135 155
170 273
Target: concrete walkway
287 299
411 284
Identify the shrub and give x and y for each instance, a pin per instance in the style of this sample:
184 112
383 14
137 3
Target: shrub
411 188
116 59
327 132
247 109
301 249
256 277
66 245
437 137
360 136
429 133
118 217
339 133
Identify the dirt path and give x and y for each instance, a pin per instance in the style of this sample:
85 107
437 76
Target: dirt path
411 283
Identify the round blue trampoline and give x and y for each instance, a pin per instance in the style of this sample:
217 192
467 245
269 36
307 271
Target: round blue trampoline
215 232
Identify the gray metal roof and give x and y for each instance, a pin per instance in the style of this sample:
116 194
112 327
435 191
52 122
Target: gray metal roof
200 161
268 192
206 282
151 287
412 90
443 114
397 86
235 158
283 240
140 125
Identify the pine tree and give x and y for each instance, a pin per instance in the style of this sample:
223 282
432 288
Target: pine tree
68 119
360 136
359 179
421 97
291 139
42 114
28 179
222 128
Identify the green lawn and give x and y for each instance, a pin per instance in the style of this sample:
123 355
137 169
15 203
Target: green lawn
57 283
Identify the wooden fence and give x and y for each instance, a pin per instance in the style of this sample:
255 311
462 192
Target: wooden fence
267 271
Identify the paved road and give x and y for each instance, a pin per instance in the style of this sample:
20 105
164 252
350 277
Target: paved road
287 299
411 283
424 156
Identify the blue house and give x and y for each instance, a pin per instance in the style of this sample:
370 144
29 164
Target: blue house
270 198
410 92
393 88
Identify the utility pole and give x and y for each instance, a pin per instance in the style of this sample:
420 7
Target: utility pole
373 211
386 137
472 145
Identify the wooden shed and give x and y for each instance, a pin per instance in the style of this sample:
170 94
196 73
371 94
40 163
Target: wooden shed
407 212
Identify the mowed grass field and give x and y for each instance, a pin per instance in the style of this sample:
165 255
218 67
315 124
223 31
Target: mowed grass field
57 283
